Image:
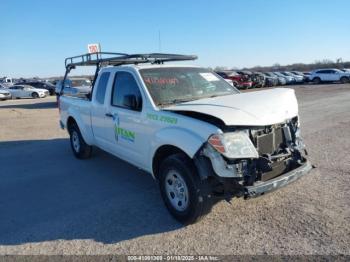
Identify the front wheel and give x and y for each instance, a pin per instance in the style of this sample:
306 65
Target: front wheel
80 149
35 95
344 80
316 80
184 194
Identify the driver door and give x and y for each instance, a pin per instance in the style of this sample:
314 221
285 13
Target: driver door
127 127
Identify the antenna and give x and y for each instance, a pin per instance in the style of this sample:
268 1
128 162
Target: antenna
159 42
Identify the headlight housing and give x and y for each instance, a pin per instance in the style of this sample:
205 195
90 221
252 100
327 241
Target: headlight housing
234 145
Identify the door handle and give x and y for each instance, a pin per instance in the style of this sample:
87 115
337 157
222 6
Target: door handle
109 115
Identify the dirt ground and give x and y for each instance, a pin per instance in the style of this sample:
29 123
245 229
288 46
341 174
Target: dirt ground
52 203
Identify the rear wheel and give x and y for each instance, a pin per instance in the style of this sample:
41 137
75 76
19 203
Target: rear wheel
184 194
344 80
35 95
316 80
80 149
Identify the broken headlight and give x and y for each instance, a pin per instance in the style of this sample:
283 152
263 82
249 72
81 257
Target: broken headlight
234 145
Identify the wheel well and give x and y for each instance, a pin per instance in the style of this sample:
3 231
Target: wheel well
70 122
162 153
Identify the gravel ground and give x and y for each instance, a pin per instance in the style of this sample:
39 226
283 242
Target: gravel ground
51 203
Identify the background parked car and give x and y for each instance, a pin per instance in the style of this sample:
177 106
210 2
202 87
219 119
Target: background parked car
238 80
329 75
307 75
41 85
7 81
22 91
297 73
281 81
298 79
270 80
5 94
289 79
256 79
2 86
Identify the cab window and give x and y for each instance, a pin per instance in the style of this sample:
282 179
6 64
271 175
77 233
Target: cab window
126 93
101 88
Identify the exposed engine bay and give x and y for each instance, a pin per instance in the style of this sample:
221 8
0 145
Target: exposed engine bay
280 150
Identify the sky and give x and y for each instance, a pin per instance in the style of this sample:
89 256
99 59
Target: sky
36 36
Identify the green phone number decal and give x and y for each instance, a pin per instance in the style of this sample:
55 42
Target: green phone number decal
164 119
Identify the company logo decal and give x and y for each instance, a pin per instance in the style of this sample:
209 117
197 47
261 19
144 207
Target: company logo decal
125 134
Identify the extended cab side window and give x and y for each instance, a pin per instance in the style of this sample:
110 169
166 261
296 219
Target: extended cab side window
101 88
126 92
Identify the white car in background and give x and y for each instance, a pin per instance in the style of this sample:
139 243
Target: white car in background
22 91
329 75
5 94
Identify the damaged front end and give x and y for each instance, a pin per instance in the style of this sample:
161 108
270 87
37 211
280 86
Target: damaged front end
251 161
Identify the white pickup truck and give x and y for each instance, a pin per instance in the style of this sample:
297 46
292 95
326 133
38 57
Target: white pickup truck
197 135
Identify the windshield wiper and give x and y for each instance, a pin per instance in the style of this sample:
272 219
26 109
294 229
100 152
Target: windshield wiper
175 101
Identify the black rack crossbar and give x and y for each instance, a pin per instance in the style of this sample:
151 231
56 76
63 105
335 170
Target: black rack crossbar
115 59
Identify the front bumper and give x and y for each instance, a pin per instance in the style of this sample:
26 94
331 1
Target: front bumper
261 188
246 84
5 96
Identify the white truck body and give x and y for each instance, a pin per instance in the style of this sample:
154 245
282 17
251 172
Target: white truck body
225 136
244 109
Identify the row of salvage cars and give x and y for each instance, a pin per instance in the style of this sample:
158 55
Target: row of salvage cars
25 90
247 79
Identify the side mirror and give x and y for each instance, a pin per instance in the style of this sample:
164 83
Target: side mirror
130 102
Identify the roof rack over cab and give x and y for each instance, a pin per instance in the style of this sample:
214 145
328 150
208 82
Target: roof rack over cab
101 59
116 59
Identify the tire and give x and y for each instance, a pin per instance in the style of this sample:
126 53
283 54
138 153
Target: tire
35 95
190 200
80 149
316 80
344 80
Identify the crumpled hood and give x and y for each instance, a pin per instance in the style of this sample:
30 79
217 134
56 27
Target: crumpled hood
247 109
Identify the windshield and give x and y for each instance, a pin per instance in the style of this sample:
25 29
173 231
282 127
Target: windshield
173 85
278 74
